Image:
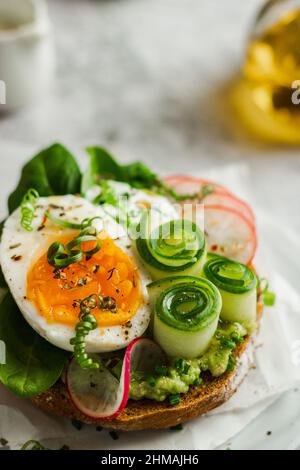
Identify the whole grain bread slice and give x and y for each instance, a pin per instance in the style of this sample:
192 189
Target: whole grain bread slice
148 414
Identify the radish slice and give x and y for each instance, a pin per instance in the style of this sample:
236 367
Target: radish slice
229 233
229 221
191 185
97 393
230 202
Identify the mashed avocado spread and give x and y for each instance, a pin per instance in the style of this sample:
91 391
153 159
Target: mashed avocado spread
180 374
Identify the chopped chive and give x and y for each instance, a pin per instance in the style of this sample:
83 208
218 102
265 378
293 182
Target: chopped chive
151 381
227 342
269 299
237 338
178 364
77 424
206 190
231 363
161 370
174 399
167 191
114 435
181 364
33 445
178 427
197 382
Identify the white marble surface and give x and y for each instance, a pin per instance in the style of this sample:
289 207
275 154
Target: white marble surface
140 76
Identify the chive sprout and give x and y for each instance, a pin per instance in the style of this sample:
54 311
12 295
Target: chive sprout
61 256
28 209
268 297
33 445
87 322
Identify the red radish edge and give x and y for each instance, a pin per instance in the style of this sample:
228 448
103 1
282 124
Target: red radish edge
126 389
127 370
184 178
222 191
125 398
247 207
251 226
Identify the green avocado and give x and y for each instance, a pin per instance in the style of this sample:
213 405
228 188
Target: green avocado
181 374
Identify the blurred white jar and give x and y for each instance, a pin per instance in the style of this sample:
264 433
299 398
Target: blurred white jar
27 55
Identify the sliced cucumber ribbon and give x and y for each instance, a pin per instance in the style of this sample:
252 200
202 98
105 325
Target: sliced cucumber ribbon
238 288
186 314
175 247
229 275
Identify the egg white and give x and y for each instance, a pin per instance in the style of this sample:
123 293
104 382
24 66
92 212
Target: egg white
131 202
19 249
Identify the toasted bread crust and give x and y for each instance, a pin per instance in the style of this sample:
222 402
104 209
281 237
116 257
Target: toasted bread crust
148 414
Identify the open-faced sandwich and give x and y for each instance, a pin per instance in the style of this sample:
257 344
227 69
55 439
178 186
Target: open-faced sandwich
118 306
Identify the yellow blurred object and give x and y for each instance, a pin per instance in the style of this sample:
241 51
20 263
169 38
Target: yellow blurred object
266 97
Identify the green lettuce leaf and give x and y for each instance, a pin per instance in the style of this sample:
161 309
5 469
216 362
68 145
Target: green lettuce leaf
32 364
53 171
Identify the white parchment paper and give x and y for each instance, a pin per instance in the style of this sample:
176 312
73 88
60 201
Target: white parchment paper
277 360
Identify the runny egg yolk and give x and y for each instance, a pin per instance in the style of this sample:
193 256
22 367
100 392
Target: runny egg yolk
110 272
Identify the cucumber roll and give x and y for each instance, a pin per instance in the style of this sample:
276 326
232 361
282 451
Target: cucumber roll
238 287
186 314
171 249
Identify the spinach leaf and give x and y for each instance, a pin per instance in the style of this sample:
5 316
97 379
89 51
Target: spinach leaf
32 364
2 280
53 171
104 166
139 175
